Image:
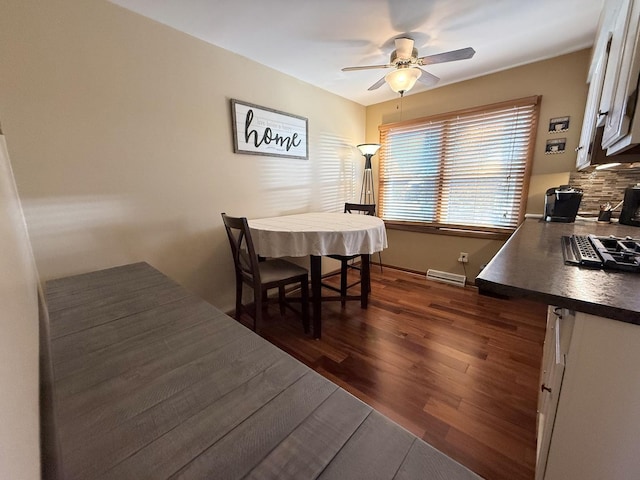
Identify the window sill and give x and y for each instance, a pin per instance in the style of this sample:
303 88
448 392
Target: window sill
443 230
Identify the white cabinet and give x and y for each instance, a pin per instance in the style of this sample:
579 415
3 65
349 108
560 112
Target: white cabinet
556 345
622 75
595 434
611 131
615 29
587 146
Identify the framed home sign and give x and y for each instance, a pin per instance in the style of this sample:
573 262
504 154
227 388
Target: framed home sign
265 131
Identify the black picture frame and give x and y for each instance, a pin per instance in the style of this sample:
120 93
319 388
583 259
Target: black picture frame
558 124
556 145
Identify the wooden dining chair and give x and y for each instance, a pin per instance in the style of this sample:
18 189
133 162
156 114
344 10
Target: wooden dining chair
264 275
346 260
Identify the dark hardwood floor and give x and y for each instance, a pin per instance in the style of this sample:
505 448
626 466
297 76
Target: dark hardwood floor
456 368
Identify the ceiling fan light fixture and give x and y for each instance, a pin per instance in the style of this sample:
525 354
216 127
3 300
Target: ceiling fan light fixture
403 79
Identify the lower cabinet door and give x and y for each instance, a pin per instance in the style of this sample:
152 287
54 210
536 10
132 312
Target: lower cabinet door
595 433
559 325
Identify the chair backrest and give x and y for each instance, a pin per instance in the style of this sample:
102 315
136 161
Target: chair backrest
366 208
244 254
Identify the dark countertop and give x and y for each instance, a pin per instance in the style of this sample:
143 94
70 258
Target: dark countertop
530 264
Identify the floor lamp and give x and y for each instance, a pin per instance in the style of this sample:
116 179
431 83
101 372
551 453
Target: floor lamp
367 192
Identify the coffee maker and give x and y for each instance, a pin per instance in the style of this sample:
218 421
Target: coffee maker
561 204
630 214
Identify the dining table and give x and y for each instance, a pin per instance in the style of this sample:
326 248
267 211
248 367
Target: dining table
318 234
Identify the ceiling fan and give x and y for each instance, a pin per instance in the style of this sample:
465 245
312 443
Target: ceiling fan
404 59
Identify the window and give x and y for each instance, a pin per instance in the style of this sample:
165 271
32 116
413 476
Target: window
466 170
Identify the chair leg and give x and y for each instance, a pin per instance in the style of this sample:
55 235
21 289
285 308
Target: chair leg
343 282
380 260
281 300
257 318
304 293
238 299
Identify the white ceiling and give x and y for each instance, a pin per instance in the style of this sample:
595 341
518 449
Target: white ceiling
313 39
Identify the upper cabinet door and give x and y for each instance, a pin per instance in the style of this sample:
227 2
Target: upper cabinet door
621 77
616 24
591 112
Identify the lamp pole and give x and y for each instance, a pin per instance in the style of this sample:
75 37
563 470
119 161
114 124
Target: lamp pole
367 192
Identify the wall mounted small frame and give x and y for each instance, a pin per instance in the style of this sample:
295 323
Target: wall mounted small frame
265 131
558 124
557 145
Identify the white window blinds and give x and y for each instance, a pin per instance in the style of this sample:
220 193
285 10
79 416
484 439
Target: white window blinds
466 169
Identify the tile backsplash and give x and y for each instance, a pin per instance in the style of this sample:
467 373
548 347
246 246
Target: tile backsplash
602 186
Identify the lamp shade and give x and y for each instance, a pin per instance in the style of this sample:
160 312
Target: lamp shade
368 148
403 79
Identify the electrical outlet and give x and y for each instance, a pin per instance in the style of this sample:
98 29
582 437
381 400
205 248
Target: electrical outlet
464 257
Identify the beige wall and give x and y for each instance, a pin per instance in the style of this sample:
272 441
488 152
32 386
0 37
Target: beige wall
119 129
19 419
562 83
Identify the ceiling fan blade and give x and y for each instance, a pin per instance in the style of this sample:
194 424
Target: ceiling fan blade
427 78
366 67
376 85
451 56
404 47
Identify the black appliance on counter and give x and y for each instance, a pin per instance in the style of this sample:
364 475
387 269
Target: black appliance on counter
561 204
630 214
611 253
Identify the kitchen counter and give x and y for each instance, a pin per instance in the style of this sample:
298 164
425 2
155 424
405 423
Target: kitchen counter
531 265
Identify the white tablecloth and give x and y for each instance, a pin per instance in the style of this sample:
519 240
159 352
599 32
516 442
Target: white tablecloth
318 234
